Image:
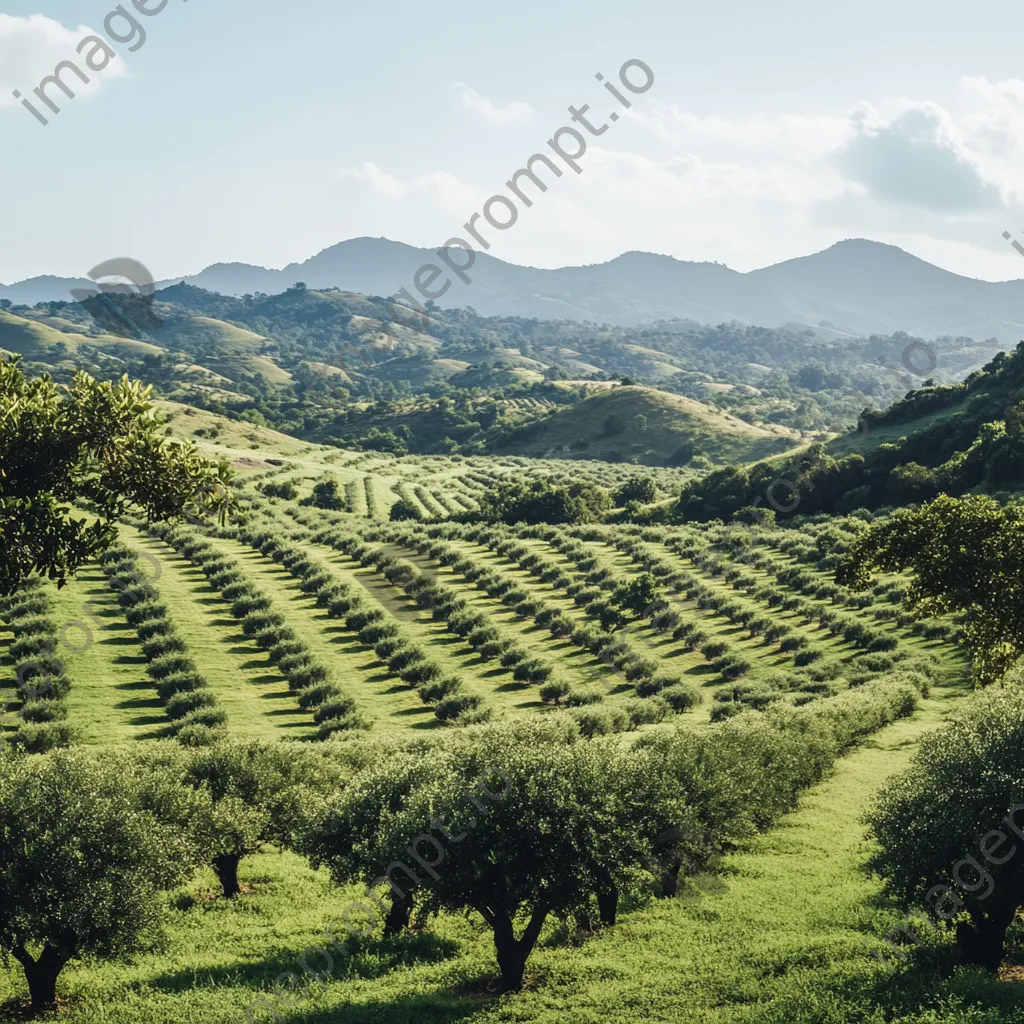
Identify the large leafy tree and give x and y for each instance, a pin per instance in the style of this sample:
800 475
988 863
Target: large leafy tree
259 794
517 822
89 843
94 441
542 502
950 828
967 555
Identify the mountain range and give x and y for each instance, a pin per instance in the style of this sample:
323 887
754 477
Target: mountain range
856 287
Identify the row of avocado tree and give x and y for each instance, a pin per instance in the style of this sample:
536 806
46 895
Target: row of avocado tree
373 626
183 690
40 675
309 679
673 694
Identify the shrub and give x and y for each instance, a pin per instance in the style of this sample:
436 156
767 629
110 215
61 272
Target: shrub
183 704
211 717
640 669
317 694
512 657
377 631
146 612
554 692
43 711
420 672
583 698
335 708
714 649
249 602
807 657
647 711
155 627
403 658
169 665
256 622
195 734
358 619
681 697
268 638
164 643
179 682
532 670
456 706
306 675
438 689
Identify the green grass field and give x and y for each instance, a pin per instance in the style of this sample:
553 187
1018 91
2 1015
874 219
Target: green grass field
785 933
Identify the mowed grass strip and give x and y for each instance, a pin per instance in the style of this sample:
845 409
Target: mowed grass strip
381 699
254 694
112 700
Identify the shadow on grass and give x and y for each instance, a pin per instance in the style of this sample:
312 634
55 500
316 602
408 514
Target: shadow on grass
366 961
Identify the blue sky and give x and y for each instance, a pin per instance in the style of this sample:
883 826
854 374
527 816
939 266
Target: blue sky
263 131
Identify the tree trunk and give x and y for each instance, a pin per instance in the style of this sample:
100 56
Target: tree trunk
512 952
981 942
226 866
398 916
670 879
41 976
608 904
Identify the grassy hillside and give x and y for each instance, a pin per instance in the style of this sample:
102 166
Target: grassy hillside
644 425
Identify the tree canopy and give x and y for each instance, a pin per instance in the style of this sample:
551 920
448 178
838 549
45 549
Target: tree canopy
91 441
967 555
949 827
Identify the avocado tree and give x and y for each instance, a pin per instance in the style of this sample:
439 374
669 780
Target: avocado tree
258 794
950 829
87 847
967 555
93 441
636 488
518 822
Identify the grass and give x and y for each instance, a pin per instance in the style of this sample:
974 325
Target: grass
112 699
254 695
585 430
785 935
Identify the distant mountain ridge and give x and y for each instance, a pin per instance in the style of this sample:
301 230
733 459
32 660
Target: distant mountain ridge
856 286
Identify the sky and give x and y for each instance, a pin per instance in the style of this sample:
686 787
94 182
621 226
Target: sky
262 132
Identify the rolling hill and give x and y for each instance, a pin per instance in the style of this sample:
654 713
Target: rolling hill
645 426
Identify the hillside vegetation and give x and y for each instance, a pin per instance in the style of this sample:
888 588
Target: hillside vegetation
645 426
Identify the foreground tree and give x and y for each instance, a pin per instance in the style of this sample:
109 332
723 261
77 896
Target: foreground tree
87 440
967 555
950 828
87 848
258 795
518 821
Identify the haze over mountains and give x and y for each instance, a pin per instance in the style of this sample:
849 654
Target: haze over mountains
856 286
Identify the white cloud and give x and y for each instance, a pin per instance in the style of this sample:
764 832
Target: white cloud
917 158
942 181
32 46
511 113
